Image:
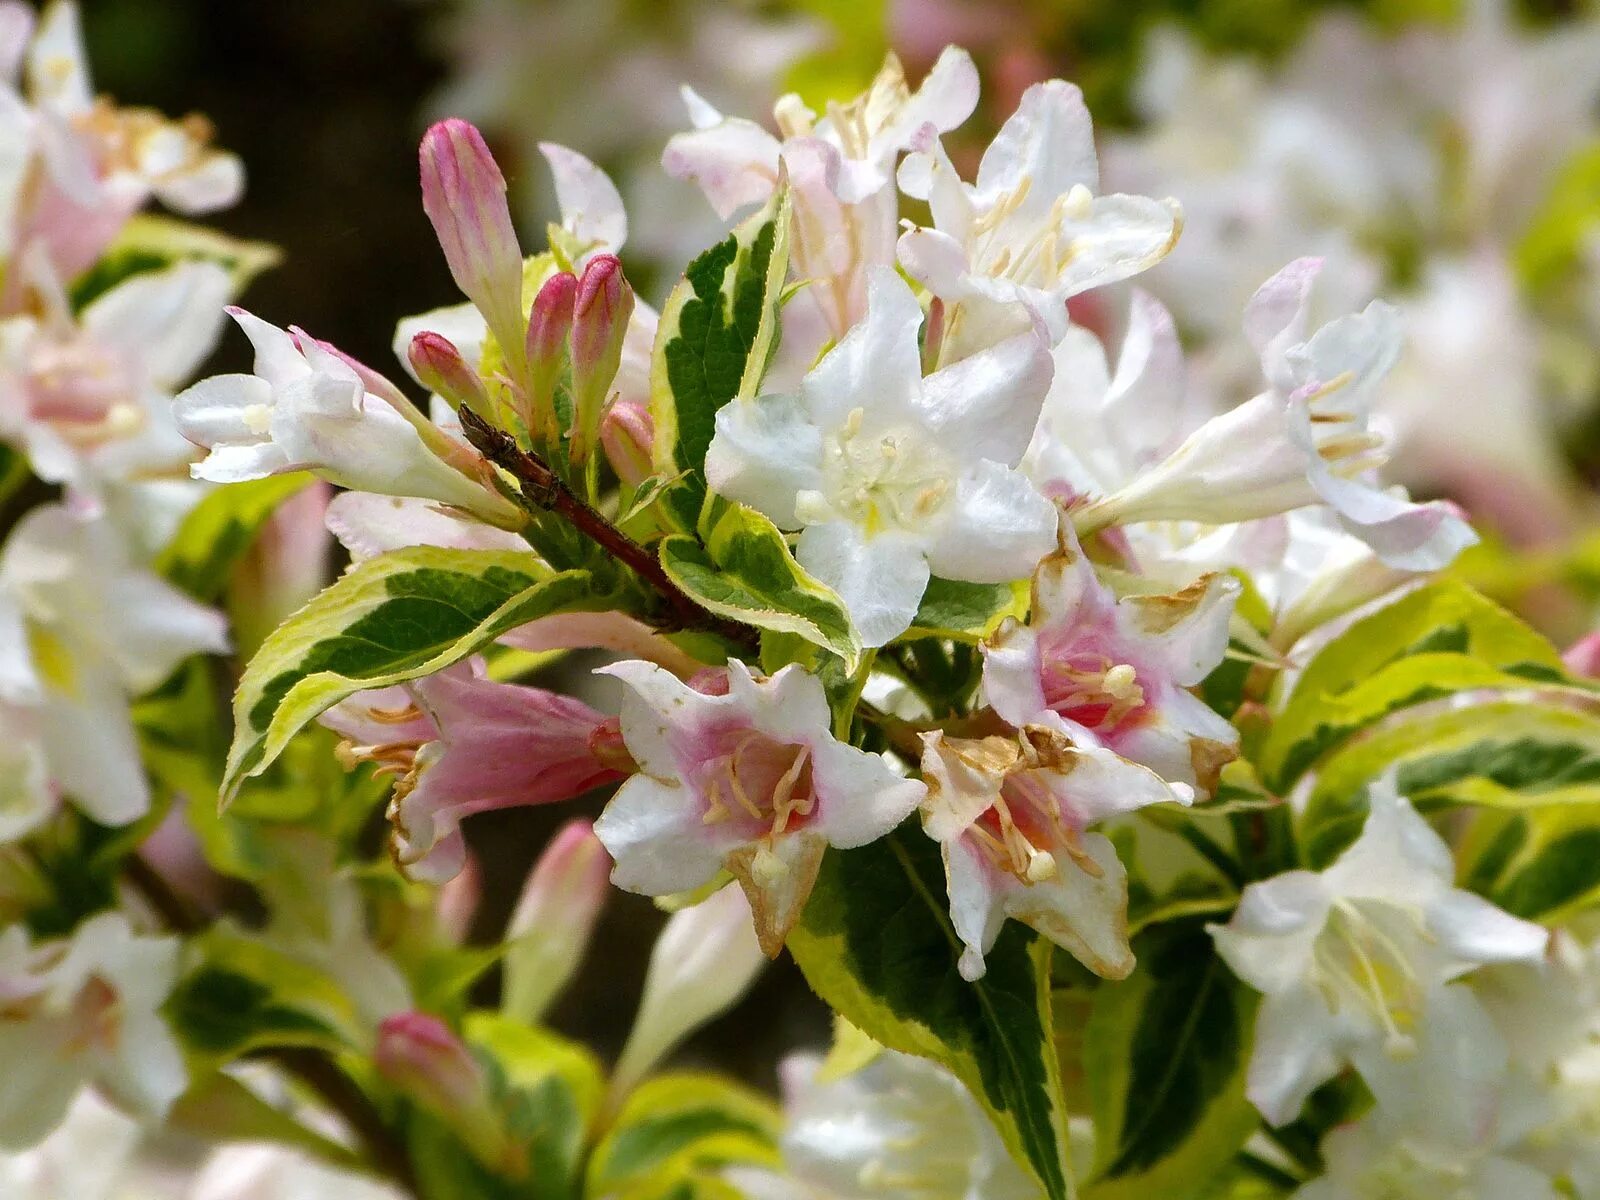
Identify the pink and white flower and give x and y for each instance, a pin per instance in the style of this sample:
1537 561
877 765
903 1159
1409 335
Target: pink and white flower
752 781
461 744
1118 669
1010 815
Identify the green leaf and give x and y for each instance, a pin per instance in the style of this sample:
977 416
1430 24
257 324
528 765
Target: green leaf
152 243
218 531
717 333
744 571
1433 642
396 617
1165 1053
675 1127
966 612
876 943
1510 755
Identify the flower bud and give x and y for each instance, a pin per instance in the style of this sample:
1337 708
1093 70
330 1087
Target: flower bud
553 921
549 324
422 1058
601 311
1583 656
627 435
439 365
464 195
704 960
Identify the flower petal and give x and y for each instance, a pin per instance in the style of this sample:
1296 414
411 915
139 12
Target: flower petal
987 405
877 365
654 832
591 206
880 579
995 528
764 452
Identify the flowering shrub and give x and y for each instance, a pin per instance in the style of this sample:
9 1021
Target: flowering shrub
1094 730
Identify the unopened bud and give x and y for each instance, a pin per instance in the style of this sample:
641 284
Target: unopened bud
464 195
549 325
422 1058
554 920
601 312
704 960
1583 656
441 368
627 435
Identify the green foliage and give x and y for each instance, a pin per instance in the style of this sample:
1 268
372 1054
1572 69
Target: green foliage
876 943
1165 1053
744 570
402 615
718 330
216 532
966 612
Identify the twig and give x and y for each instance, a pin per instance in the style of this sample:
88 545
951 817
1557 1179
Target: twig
543 489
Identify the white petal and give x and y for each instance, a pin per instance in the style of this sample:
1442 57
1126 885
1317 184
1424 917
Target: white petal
661 715
936 260
765 451
877 365
930 175
591 207
1012 681
168 321
42 1076
215 182
734 163
880 579
987 405
948 95
368 525
976 904
235 464
151 627
1049 141
1398 855
57 69
791 706
654 832
1085 914
1276 316
93 754
995 528
278 359
1268 942
1295 1052
224 410
1187 631
1122 236
1471 928
859 796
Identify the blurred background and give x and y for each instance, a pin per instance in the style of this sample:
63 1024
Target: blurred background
1443 153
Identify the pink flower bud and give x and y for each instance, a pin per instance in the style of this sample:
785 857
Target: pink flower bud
627 434
422 1058
553 921
548 327
601 312
440 367
1583 656
464 195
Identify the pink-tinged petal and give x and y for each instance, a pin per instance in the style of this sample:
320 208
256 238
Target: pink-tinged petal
1277 315
612 631
1296 1043
382 715
464 195
735 163
994 529
1268 943
878 359
790 706
1186 632
880 579
591 207
655 833
1049 142
1084 912
977 908
663 718
1583 656
764 453
1474 930
987 405
702 113
860 797
169 321
553 922
1012 669
278 359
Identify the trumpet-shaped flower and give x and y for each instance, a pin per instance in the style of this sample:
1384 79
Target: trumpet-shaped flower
81 630
1010 816
307 408
752 781
889 475
1348 958
461 744
85 1010
1030 233
1303 441
1118 668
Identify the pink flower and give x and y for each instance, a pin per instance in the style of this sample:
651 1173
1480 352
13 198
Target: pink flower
751 781
462 744
1115 672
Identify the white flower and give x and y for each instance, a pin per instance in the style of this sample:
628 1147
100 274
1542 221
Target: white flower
1118 669
891 476
1441 1126
85 1010
1031 229
82 630
306 408
1304 440
263 1171
897 1127
1348 958
90 396
1010 815
752 781
89 1156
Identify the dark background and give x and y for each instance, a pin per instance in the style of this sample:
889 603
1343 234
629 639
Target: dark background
323 99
